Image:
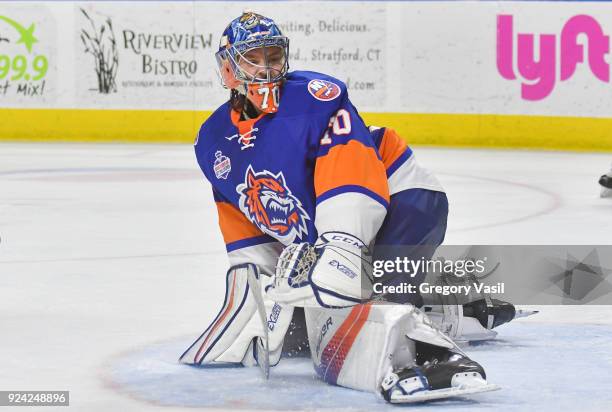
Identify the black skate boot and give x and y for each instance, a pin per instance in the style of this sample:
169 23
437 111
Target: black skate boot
474 321
606 181
492 313
439 373
606 185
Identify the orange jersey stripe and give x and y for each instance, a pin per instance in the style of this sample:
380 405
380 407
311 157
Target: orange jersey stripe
391 147
234 224
351 164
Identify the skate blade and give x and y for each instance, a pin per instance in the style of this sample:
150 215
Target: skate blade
443 394
523 313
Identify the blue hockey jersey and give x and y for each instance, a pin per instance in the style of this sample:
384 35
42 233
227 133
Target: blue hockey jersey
312 167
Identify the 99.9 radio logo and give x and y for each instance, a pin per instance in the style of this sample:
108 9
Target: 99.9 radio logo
25 68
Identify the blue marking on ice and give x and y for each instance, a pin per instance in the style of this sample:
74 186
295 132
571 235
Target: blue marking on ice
541 367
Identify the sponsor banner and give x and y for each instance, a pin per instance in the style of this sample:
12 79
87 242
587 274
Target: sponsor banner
347 41
142 55
160 55
507 58
415 57
513 74
28 56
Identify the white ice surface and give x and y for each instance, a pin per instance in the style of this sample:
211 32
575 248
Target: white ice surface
534 363
108 252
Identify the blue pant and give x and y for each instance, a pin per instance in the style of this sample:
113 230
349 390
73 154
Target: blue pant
414 227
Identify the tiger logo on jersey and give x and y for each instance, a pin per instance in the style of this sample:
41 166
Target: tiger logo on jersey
267 201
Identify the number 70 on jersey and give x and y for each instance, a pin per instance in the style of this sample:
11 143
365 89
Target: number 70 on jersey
340 124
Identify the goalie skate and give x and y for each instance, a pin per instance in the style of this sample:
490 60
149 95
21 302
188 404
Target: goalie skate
524 313
606 185
446 374
431 395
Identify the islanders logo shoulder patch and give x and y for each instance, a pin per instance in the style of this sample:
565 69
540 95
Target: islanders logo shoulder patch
268 203
323 90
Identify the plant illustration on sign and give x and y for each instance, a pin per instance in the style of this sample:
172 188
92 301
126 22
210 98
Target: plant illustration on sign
101 44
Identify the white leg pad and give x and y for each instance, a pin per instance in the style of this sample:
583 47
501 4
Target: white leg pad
357 347
228 339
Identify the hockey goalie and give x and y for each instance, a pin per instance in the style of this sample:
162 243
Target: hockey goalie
303 187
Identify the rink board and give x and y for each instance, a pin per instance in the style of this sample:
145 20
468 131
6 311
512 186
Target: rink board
460 130
441 73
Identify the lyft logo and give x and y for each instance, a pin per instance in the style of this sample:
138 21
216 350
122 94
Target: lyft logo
539 75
